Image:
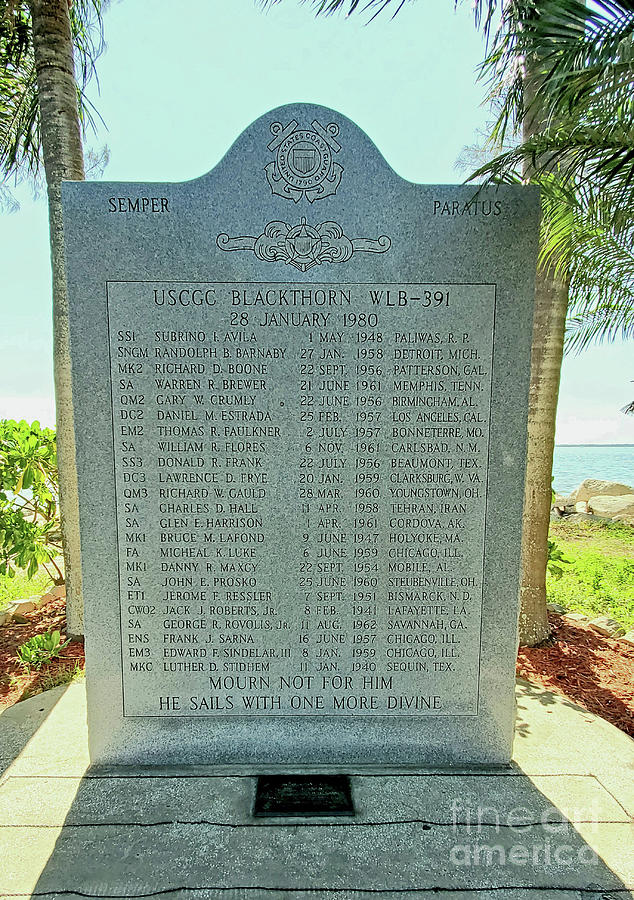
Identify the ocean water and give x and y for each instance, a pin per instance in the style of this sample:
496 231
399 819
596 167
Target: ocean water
608 462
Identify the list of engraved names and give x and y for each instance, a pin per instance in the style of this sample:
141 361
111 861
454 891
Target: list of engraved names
300 476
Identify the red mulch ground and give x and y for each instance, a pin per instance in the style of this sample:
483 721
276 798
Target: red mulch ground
15 682
596 672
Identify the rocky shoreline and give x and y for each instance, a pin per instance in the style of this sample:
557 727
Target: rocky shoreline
596 499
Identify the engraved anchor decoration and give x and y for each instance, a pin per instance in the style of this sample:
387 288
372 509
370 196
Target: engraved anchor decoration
304 164
304 167
304 246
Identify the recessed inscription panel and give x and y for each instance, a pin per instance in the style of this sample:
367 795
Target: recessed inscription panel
300 478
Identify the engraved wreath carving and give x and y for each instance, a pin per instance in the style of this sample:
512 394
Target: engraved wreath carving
304 246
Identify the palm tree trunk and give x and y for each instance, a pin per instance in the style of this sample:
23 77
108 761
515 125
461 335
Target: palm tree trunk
63 159
551 304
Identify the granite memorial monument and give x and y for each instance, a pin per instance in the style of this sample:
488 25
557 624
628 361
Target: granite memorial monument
300 387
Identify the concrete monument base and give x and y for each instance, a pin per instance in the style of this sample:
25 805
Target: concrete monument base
556 824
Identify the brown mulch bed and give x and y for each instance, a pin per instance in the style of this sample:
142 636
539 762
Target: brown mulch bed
596 672
15 682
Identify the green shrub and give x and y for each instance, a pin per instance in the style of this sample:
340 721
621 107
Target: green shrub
555 556
20 586
30 534
40 649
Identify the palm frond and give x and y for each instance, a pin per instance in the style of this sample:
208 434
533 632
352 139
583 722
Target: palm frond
590 240
484 10
20 144
559 58
582 50
606 322
328 7
19 119
8 203
599 153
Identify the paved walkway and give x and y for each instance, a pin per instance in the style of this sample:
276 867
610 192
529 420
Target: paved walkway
557 825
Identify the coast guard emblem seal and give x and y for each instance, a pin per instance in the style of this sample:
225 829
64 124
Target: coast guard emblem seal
304 161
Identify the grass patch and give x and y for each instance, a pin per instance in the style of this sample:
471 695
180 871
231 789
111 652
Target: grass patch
63 675
598 578
48 680
21 586
609 538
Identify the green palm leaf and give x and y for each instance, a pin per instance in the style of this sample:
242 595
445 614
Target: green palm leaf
20 142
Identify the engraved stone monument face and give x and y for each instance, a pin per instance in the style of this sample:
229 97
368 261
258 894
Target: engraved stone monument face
300 388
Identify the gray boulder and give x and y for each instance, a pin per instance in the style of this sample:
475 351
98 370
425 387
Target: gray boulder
611 506
594 487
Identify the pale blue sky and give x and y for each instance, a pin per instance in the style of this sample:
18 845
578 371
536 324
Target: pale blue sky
178 82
